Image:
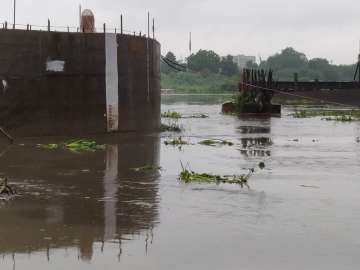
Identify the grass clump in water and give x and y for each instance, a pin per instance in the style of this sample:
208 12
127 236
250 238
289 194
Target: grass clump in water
198 115
330 115
216 142
172 115
147 168
171 127
79 145
343 118
188 176
176 142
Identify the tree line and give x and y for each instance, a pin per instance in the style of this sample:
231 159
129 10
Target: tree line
284 65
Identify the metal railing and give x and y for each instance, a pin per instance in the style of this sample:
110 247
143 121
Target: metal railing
73 29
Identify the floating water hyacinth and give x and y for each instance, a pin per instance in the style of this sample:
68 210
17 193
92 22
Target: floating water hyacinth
147 168
79 145
172 115
176 142
216 142
172 127
188 176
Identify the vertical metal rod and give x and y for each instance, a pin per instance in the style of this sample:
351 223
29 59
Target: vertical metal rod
148 60
148 24
80 11
121 23
49 25
104 28
14 13
153 28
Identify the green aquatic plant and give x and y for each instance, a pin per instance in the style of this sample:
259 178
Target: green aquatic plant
78 145
343 118
188 176
172 127
50 146
329 115
83 146
172 115
176 142
197 115
215 142
147 168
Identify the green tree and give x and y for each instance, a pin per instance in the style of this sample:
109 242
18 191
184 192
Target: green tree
165 68
228 67
287 59
204 61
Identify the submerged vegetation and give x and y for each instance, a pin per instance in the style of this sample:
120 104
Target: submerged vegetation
216 142
171 127
79 145
147 168
172 115
176 142
330 115
177 115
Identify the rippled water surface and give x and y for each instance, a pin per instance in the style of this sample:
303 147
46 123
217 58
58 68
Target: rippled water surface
91 211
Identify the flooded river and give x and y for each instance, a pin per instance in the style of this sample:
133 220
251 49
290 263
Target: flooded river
91 211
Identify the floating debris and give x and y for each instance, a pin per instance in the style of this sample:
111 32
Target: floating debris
330 115
197 115
50 146
176 115
176 142
343 118
305 186
188 176
172 127
147 168
5 189
216 142
172 115
261 165
81 145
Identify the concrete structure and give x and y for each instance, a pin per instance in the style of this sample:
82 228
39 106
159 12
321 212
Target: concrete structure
241 60
58 83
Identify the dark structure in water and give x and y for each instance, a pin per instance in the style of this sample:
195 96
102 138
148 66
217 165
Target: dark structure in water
62 83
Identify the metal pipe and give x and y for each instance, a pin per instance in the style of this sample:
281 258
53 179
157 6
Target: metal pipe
14 13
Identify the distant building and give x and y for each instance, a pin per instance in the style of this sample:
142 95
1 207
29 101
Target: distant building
241 60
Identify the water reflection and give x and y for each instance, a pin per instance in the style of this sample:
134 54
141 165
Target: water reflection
256 140
75 200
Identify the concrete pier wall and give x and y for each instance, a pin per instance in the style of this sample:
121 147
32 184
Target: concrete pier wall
54 83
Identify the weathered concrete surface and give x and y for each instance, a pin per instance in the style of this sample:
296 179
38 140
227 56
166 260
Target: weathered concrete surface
38 102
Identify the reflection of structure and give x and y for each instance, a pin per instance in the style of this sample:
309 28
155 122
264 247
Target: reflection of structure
259 143
82 199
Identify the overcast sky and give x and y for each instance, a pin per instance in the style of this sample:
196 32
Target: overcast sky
319 28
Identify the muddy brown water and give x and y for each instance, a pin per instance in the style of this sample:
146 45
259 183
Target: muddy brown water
89 211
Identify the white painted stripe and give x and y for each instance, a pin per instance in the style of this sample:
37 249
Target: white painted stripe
112 83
